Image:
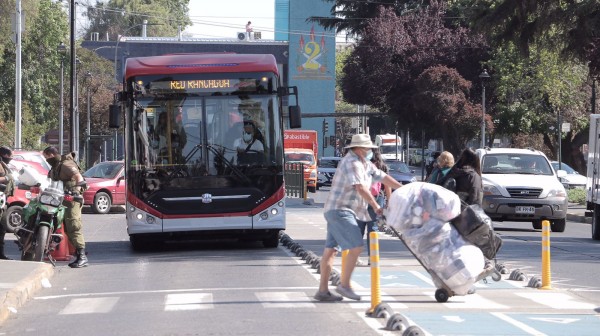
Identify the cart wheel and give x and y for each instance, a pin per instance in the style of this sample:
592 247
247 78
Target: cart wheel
496 276
441 295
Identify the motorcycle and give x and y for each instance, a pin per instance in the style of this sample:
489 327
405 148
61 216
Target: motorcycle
42 216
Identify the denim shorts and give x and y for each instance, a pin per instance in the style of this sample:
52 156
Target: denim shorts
342 230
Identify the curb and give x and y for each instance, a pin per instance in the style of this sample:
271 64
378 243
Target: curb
24 290
579 218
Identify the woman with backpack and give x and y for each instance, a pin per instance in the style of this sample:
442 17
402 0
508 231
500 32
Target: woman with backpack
467 174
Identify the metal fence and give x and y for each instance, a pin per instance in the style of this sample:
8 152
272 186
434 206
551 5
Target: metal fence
294 180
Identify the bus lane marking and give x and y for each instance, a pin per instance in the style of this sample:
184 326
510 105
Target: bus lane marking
557 300
518 324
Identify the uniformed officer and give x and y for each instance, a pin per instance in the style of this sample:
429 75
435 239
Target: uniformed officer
6 179
64 168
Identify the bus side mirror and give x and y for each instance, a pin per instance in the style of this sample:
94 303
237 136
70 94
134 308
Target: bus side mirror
114 116
295 116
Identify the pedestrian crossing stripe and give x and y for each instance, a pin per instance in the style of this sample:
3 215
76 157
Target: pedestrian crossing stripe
284 300
188 301
89 306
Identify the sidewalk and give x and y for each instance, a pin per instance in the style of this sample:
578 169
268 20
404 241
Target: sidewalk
20 280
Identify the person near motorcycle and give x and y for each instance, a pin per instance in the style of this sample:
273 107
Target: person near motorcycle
64 168
7 179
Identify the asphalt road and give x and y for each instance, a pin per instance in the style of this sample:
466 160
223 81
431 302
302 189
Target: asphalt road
232 288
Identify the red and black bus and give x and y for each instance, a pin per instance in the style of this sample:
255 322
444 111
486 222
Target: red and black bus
204 147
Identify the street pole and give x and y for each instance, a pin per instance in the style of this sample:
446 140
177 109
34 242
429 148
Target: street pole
72 108
559 132
18 24
62 50
86 151
483 76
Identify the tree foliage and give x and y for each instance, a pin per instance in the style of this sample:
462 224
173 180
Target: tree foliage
46 25
120 17
442 97
395 50
352 16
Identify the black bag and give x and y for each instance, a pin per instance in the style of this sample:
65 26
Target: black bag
476 227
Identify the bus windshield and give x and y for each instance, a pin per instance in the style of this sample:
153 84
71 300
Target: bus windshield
205 143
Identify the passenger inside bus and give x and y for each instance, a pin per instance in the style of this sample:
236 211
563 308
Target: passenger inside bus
171 138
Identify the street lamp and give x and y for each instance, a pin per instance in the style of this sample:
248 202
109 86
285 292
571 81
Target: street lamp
483 76
62 51
86 153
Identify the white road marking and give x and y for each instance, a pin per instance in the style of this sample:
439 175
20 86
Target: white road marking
89 306
453 318
518 324
50 297
471 301
557 300
558 320
284 300
188 301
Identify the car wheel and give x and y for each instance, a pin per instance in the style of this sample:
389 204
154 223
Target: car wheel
102 203
558 225
12 217
596 223
537 224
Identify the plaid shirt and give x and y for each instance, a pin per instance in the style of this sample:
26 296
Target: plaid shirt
343 196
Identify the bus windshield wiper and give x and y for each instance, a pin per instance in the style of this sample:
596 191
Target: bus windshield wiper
235 170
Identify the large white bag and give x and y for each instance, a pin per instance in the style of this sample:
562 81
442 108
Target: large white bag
417 202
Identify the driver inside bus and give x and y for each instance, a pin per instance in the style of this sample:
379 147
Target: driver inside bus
249 145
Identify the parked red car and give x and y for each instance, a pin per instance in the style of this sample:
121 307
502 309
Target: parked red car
32 156
106 186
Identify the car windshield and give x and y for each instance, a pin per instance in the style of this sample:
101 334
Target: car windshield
515 163
565 167
390 149
328 163
299 158
107 170
398 166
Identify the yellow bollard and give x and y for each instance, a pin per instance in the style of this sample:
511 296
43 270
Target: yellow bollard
344 255
305 190
375 274
546 277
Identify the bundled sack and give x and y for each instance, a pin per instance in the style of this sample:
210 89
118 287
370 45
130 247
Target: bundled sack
446 254
476 227
417 202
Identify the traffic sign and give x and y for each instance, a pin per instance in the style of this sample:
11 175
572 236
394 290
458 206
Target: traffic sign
566 127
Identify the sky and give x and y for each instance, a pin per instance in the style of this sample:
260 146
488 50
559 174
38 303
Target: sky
225 18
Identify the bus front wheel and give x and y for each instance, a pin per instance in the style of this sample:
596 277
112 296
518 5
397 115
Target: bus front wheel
272 241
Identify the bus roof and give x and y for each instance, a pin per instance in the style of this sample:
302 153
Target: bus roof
200 63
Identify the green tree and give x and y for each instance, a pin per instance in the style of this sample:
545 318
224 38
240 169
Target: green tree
116 17
46 25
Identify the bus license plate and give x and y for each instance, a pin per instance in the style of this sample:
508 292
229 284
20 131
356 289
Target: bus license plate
525 210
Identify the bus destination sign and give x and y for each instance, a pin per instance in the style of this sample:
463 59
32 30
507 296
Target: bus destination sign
203 85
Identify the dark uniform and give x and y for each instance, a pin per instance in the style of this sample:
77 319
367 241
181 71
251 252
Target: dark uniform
6 179
65 170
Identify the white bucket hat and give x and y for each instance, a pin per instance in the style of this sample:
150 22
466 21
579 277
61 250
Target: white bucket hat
361 140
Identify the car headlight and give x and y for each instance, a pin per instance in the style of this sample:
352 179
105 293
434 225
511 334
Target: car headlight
490 190
557 193
413 179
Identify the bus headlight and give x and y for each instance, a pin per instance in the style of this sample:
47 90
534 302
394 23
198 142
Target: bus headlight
264 215
274 211
150 219
139 216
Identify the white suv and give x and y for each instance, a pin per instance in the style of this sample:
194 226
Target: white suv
520 185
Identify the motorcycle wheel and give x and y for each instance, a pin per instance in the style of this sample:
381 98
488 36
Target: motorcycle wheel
41 241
